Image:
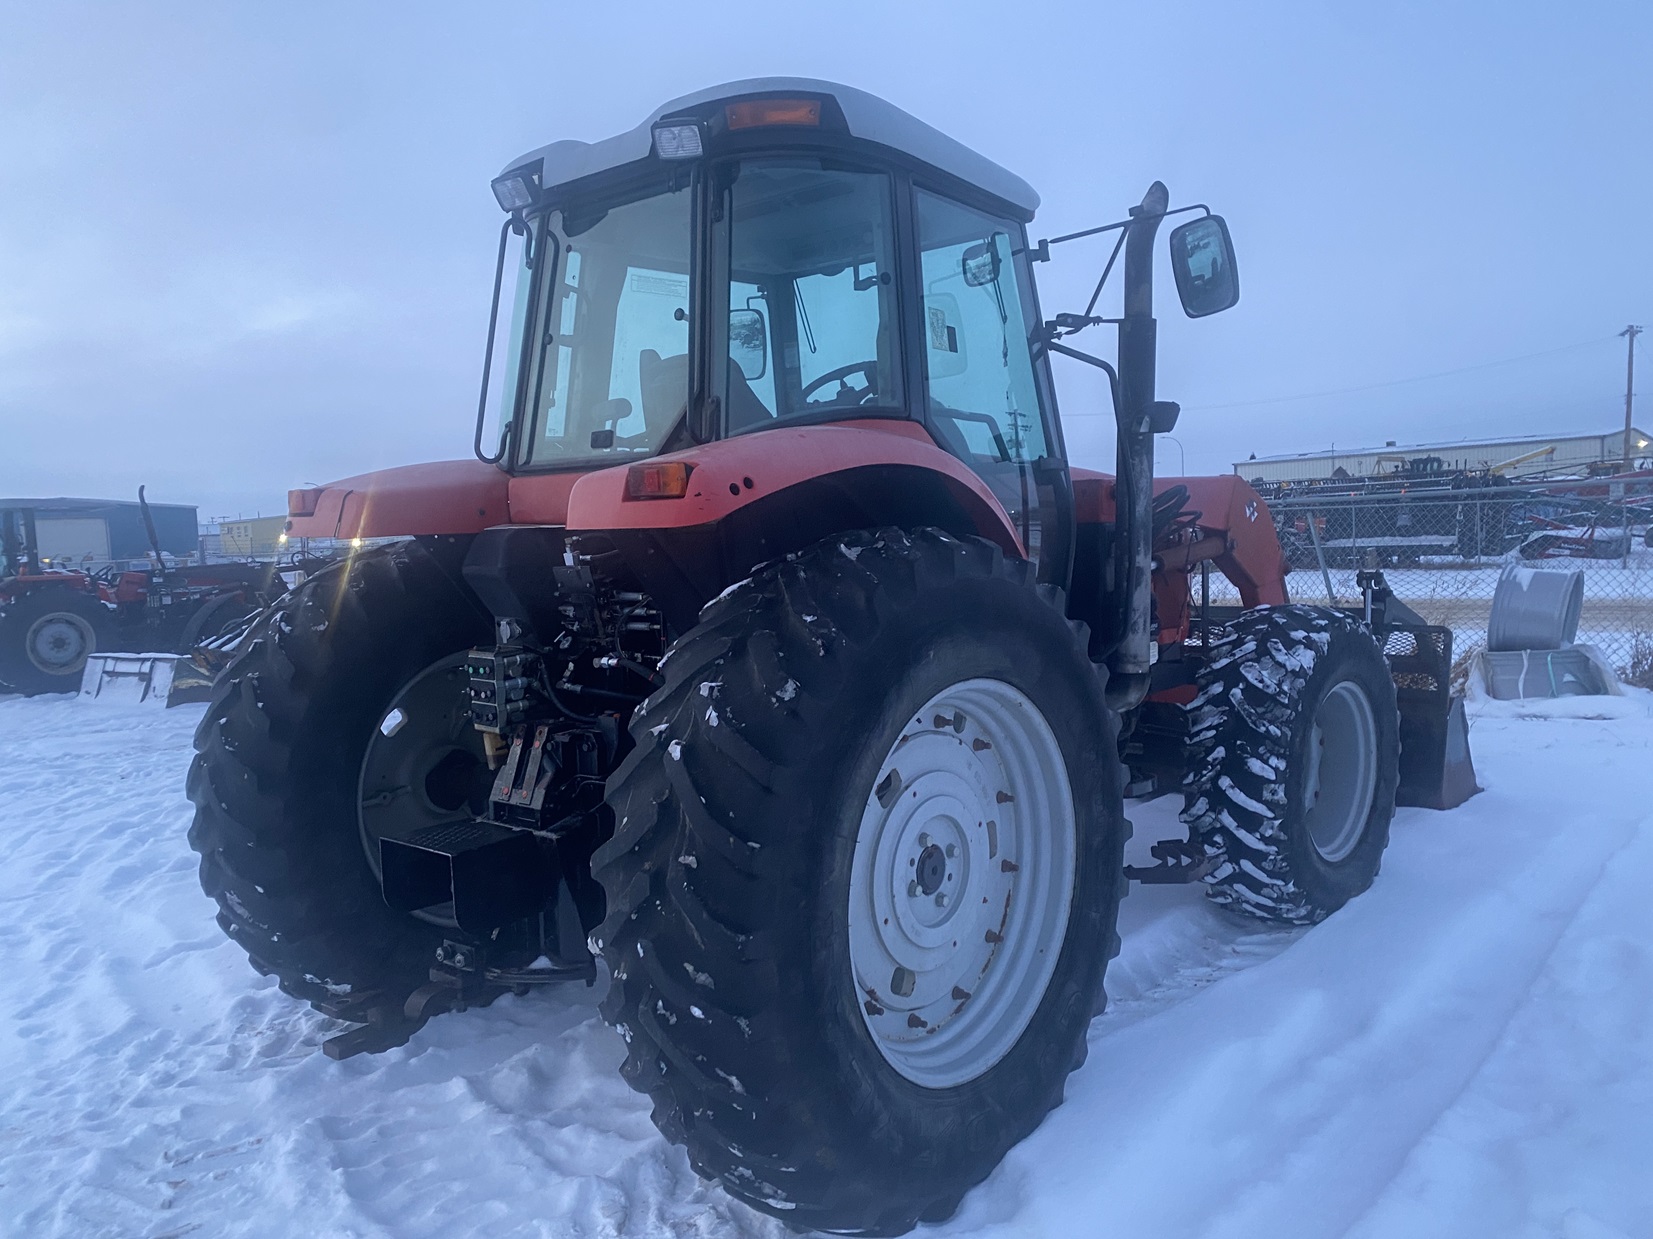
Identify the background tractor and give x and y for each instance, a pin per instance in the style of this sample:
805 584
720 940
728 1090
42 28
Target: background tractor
772 650
52 619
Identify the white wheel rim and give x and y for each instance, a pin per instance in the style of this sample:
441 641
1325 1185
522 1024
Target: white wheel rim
59 643
961 883
1341 779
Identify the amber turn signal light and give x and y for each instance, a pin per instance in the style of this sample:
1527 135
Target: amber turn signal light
755 113
666 479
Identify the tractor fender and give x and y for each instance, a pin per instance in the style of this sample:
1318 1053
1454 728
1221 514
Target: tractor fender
751 471
440 497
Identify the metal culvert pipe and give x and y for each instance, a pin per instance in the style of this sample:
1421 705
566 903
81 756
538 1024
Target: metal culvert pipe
1535 608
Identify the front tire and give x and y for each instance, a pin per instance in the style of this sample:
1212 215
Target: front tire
1294 752
846 717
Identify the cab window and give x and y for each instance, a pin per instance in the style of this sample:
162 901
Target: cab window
983 398
812 308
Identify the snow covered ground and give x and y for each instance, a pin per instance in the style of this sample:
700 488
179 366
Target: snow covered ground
1466 1050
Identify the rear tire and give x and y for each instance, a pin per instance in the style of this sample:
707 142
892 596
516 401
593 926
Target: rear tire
744 878
46 637
1294 751
279 760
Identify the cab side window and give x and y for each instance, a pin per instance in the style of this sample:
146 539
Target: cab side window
983 397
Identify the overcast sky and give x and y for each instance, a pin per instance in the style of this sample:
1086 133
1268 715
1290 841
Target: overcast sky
246 246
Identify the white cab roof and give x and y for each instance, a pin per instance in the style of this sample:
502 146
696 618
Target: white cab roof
868 117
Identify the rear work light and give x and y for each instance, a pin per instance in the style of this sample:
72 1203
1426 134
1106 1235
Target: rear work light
756 113
678 140
666 479
516 190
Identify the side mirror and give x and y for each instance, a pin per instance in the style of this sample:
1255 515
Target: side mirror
944 354
749 343
981 264
1202 258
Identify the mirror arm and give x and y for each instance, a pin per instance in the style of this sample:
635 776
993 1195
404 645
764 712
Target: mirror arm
1096 293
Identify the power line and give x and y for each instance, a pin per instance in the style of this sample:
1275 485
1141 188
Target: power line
1417 378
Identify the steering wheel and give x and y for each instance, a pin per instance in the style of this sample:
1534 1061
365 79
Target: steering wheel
869 369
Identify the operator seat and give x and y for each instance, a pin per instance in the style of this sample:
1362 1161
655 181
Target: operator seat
663 384
745 410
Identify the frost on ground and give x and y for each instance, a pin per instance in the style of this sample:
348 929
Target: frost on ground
1466 1050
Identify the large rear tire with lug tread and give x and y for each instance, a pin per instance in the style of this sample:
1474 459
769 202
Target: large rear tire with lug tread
1293 760
865 877
46 636
281 770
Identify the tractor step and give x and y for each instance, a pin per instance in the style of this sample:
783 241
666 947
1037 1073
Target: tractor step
1180 860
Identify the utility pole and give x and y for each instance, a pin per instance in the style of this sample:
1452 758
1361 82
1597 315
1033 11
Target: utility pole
1629 333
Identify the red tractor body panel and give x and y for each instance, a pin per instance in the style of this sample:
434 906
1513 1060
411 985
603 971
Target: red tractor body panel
729 475
542 498
442 497
463 497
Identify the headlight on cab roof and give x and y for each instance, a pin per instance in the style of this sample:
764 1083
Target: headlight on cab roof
679 139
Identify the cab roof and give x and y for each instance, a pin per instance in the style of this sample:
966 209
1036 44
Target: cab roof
867 116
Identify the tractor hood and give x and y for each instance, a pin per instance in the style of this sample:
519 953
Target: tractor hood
441 497
445 496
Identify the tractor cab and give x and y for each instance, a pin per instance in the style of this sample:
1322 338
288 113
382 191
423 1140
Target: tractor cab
779 252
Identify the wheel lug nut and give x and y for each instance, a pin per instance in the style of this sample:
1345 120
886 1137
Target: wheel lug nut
941 899
952 850
912 890
923 839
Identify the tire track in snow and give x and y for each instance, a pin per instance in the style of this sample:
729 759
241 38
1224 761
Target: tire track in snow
151 1084
1289 1093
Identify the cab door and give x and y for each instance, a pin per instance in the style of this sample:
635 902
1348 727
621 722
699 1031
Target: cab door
985 401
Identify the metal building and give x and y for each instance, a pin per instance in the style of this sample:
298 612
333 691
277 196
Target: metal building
261 537
93 532
1531 456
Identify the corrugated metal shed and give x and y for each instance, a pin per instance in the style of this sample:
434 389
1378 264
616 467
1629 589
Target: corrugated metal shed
1523 457
67 528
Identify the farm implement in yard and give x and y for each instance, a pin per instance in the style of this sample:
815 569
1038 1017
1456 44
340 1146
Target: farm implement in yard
772 650
54 619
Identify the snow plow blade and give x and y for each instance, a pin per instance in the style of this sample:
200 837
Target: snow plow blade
1436 771
127 679
143 679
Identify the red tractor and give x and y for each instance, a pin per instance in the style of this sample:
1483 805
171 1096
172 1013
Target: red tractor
52 619
773 651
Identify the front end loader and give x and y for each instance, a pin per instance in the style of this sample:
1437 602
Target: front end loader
771 651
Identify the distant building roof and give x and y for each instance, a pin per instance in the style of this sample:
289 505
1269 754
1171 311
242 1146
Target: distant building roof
1456 445
64 506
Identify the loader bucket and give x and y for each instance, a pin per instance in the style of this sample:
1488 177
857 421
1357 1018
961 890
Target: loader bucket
127 679
1436 771
144 679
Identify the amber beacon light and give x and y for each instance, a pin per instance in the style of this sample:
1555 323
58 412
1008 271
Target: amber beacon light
756 113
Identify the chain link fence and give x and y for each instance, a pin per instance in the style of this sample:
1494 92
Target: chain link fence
1443 550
